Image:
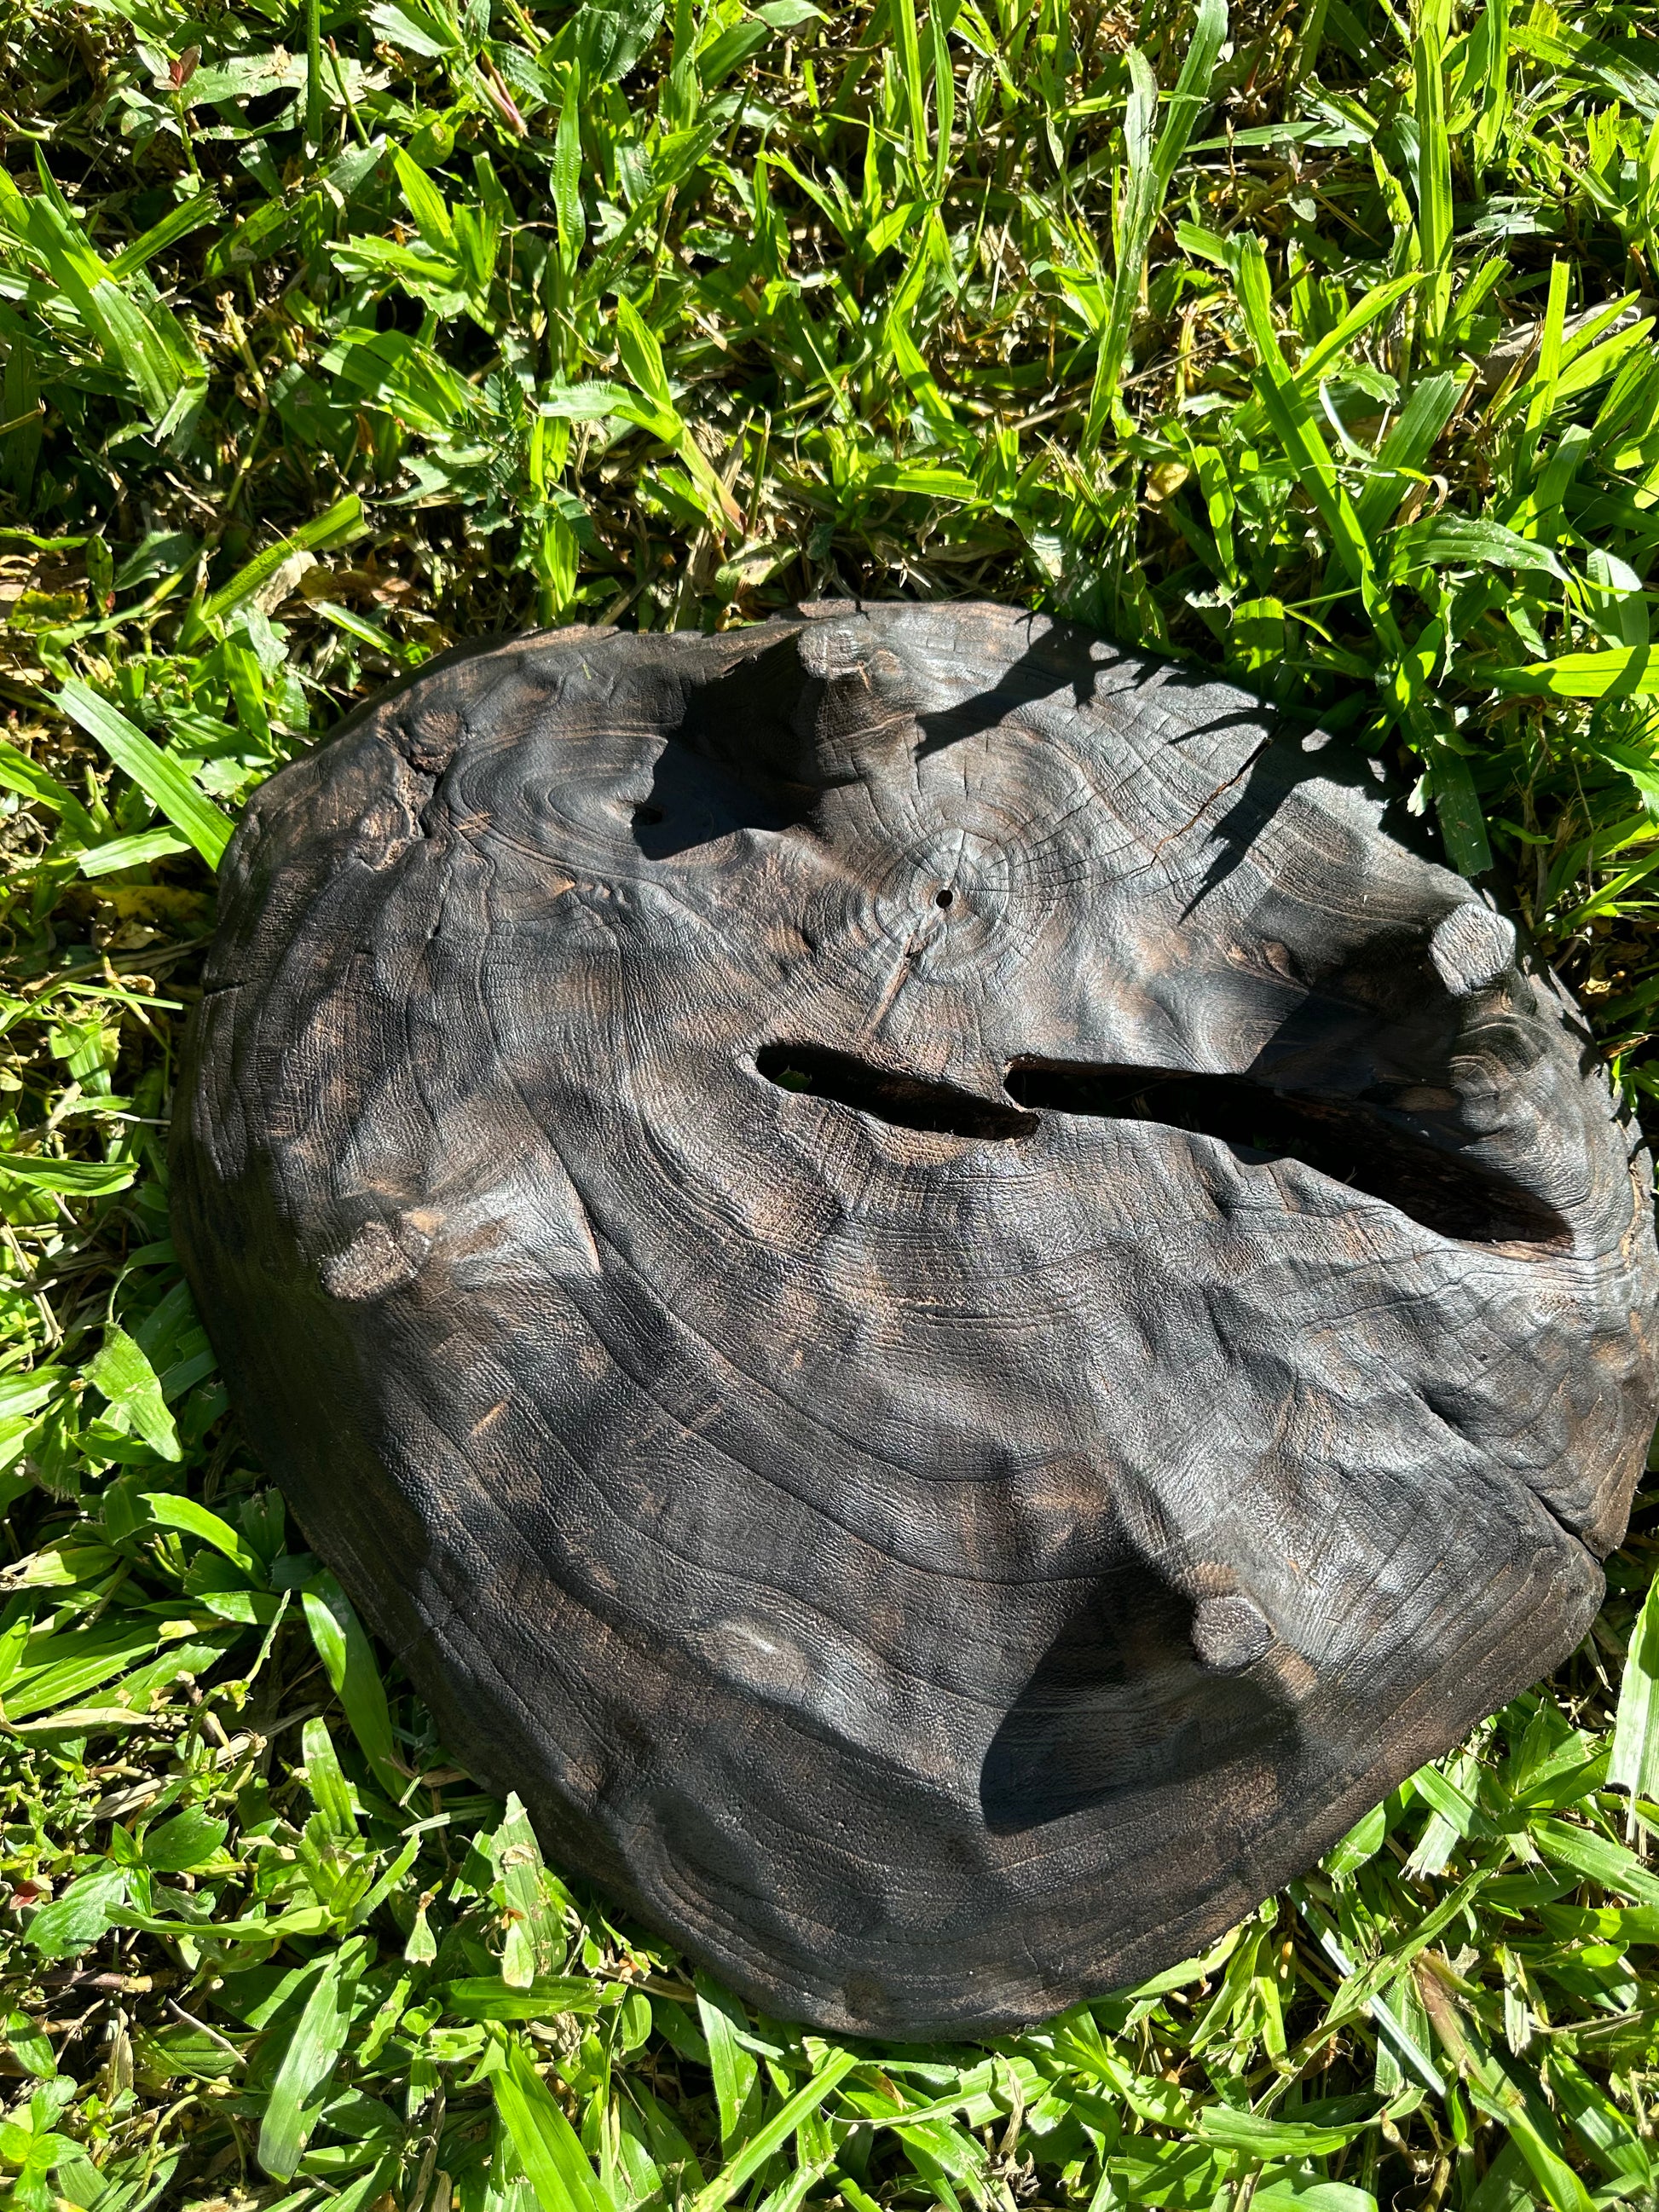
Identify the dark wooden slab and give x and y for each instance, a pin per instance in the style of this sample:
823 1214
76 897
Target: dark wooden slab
942 1303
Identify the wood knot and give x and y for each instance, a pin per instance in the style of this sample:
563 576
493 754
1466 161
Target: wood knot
1473 948
429 744
375 1262
1229 1633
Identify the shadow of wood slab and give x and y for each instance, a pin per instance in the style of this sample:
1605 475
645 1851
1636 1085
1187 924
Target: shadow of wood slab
939 1296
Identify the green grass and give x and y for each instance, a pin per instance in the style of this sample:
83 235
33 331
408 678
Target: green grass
334 335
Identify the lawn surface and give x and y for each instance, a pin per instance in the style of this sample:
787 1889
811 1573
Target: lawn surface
1309 344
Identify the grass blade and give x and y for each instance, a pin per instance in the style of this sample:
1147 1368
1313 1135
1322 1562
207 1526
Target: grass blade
1150 175
567 171
170 1512
1294 423
1489 65
336 525
1434 201
733 2067
126 1378
157 774
1617 672
348 1658
916 87
314 2051
30 781
1634 1765
559 2170
775 2133
314 92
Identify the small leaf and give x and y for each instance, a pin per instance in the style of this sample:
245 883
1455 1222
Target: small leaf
584 403
1305 2195
189 1839
422 1948
333 1796
431 33
31 2048
126 1378
173 1512
535 1943
82 1916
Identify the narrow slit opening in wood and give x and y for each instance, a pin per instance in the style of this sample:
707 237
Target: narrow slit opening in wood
1348 1142
907 1101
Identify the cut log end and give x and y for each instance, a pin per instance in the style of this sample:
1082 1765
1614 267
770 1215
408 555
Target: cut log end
941 1300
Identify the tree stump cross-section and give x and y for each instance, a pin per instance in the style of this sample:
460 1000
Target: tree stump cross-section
939 1298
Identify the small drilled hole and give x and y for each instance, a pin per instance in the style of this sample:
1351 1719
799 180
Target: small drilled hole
945 899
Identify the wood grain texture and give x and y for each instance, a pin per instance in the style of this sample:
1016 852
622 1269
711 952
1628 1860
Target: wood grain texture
938 1297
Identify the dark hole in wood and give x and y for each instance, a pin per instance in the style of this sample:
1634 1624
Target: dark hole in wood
1121 1702
694 801
1445 1192
904 1100
945 899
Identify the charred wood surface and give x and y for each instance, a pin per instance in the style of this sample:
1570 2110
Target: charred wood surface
938 1297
